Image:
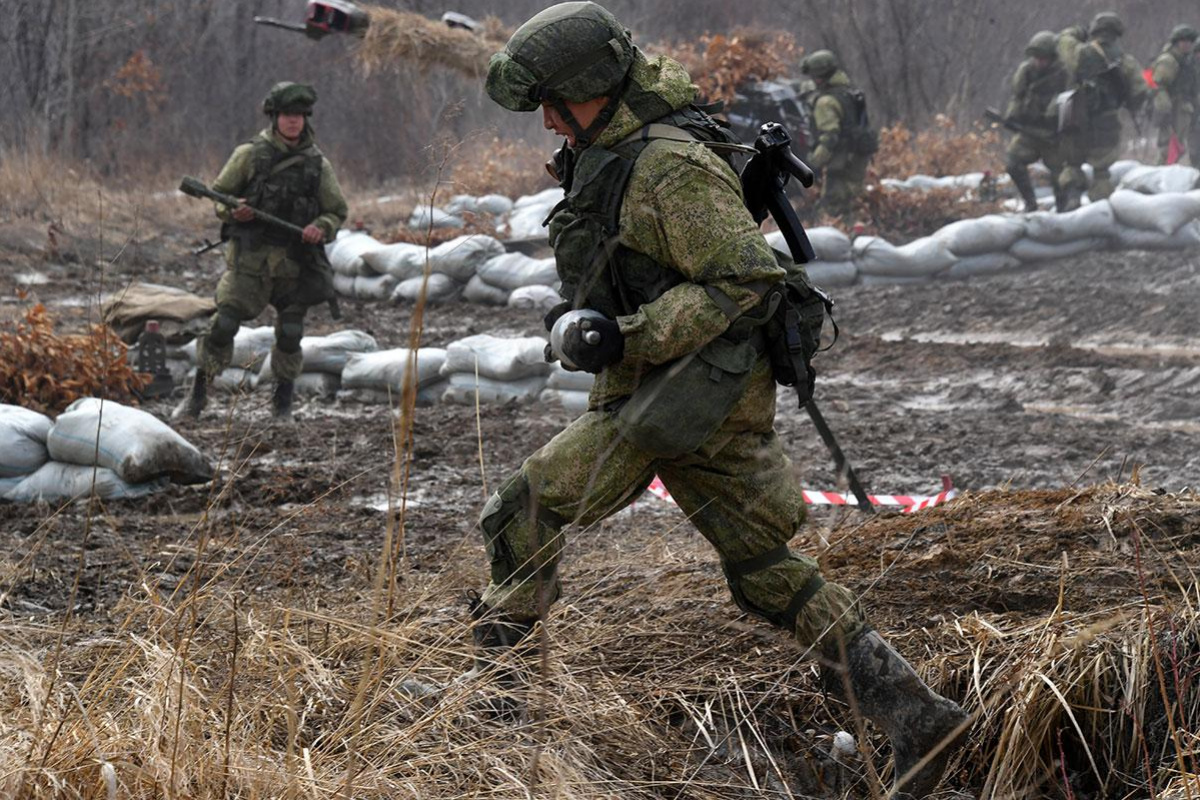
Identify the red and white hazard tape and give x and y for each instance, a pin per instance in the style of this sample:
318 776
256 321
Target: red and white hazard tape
906 503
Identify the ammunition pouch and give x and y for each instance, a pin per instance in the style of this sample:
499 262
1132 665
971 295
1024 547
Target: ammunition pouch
793 334
663 417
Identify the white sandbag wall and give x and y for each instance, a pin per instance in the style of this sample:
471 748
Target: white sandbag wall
95 446
495 370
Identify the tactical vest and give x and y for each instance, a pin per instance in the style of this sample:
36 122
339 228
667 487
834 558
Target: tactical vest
1039 91
596 270
285 185
856 125
1183 88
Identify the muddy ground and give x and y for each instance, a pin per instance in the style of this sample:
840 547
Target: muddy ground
1082 372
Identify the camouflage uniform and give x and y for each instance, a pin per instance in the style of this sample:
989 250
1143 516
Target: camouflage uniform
844 142
1106 80
1035 88
269 267
655 240
1174 75
682 209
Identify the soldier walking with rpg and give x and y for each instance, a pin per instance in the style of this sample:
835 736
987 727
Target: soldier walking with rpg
282 173
1174 76
1032 112
668 284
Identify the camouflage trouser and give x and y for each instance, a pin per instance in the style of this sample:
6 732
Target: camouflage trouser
1180 127
842 183
255 279
1100 147
1024 150
739 489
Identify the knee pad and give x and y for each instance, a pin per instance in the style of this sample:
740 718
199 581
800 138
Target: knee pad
778 609
225 327
289 332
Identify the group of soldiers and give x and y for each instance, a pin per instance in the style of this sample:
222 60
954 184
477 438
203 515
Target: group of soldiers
1066 102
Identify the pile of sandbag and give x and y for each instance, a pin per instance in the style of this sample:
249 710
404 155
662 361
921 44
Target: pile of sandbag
367 269
834 265
251 347
567 388
325 357
489 207
95 446
516 280
495 370
528 213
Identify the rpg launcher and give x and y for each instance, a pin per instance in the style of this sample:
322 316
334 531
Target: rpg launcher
324 17
193 187
764 178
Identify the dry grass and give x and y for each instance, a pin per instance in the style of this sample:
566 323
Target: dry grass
653 688
720 63
506 166
399 37
942 149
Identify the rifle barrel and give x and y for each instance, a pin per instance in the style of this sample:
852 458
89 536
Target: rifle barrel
197 188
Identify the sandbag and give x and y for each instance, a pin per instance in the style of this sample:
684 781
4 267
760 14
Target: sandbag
831 274
22 440
137 446
426 395
1028 250
343 284
574 402
180 314
1185 238
534 298
460 258
423 217
828 243
439 287
56 482
385 369
528 213
1095 220
375 287
345 252
496 358
1165 213
985 264
234 380
402 260
480 291
514 270
1174 178
991 234
1120 169
251 346
327 353
494 204
569 380
461 203
317 384
920 259
463 389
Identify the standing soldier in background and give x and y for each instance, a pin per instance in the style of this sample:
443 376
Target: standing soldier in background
1174 76
844 139
1106 80
280 172
653 237
1039 80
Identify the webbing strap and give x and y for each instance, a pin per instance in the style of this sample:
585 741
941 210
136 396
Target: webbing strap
801 598
740 569
724 302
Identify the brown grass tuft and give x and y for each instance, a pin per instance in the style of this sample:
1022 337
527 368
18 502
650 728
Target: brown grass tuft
395 37
942 149
720 63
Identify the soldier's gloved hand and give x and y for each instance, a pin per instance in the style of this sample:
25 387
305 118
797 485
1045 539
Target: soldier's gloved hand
312 235
553 314
606 345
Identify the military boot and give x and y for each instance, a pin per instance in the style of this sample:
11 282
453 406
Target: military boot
917 720
197 398
281 400
1021 180
495 635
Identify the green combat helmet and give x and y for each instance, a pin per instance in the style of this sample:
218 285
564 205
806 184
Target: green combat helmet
290 98
571 51
1044 44
1106 23
1184 33
821 64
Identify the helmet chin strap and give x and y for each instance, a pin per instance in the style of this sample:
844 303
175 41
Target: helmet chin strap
584 136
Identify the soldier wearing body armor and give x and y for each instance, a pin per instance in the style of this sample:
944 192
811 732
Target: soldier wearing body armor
653 235
280 172
844 139
1038 82
1174 76
1106 80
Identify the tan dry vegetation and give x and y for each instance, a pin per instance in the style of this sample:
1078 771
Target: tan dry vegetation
720 63
1084 624
396 37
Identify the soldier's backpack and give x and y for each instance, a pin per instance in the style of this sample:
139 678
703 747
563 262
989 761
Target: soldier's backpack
856 124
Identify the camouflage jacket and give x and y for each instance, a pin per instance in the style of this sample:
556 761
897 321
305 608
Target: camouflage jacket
683 209
1175 77
830 120
1033 94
